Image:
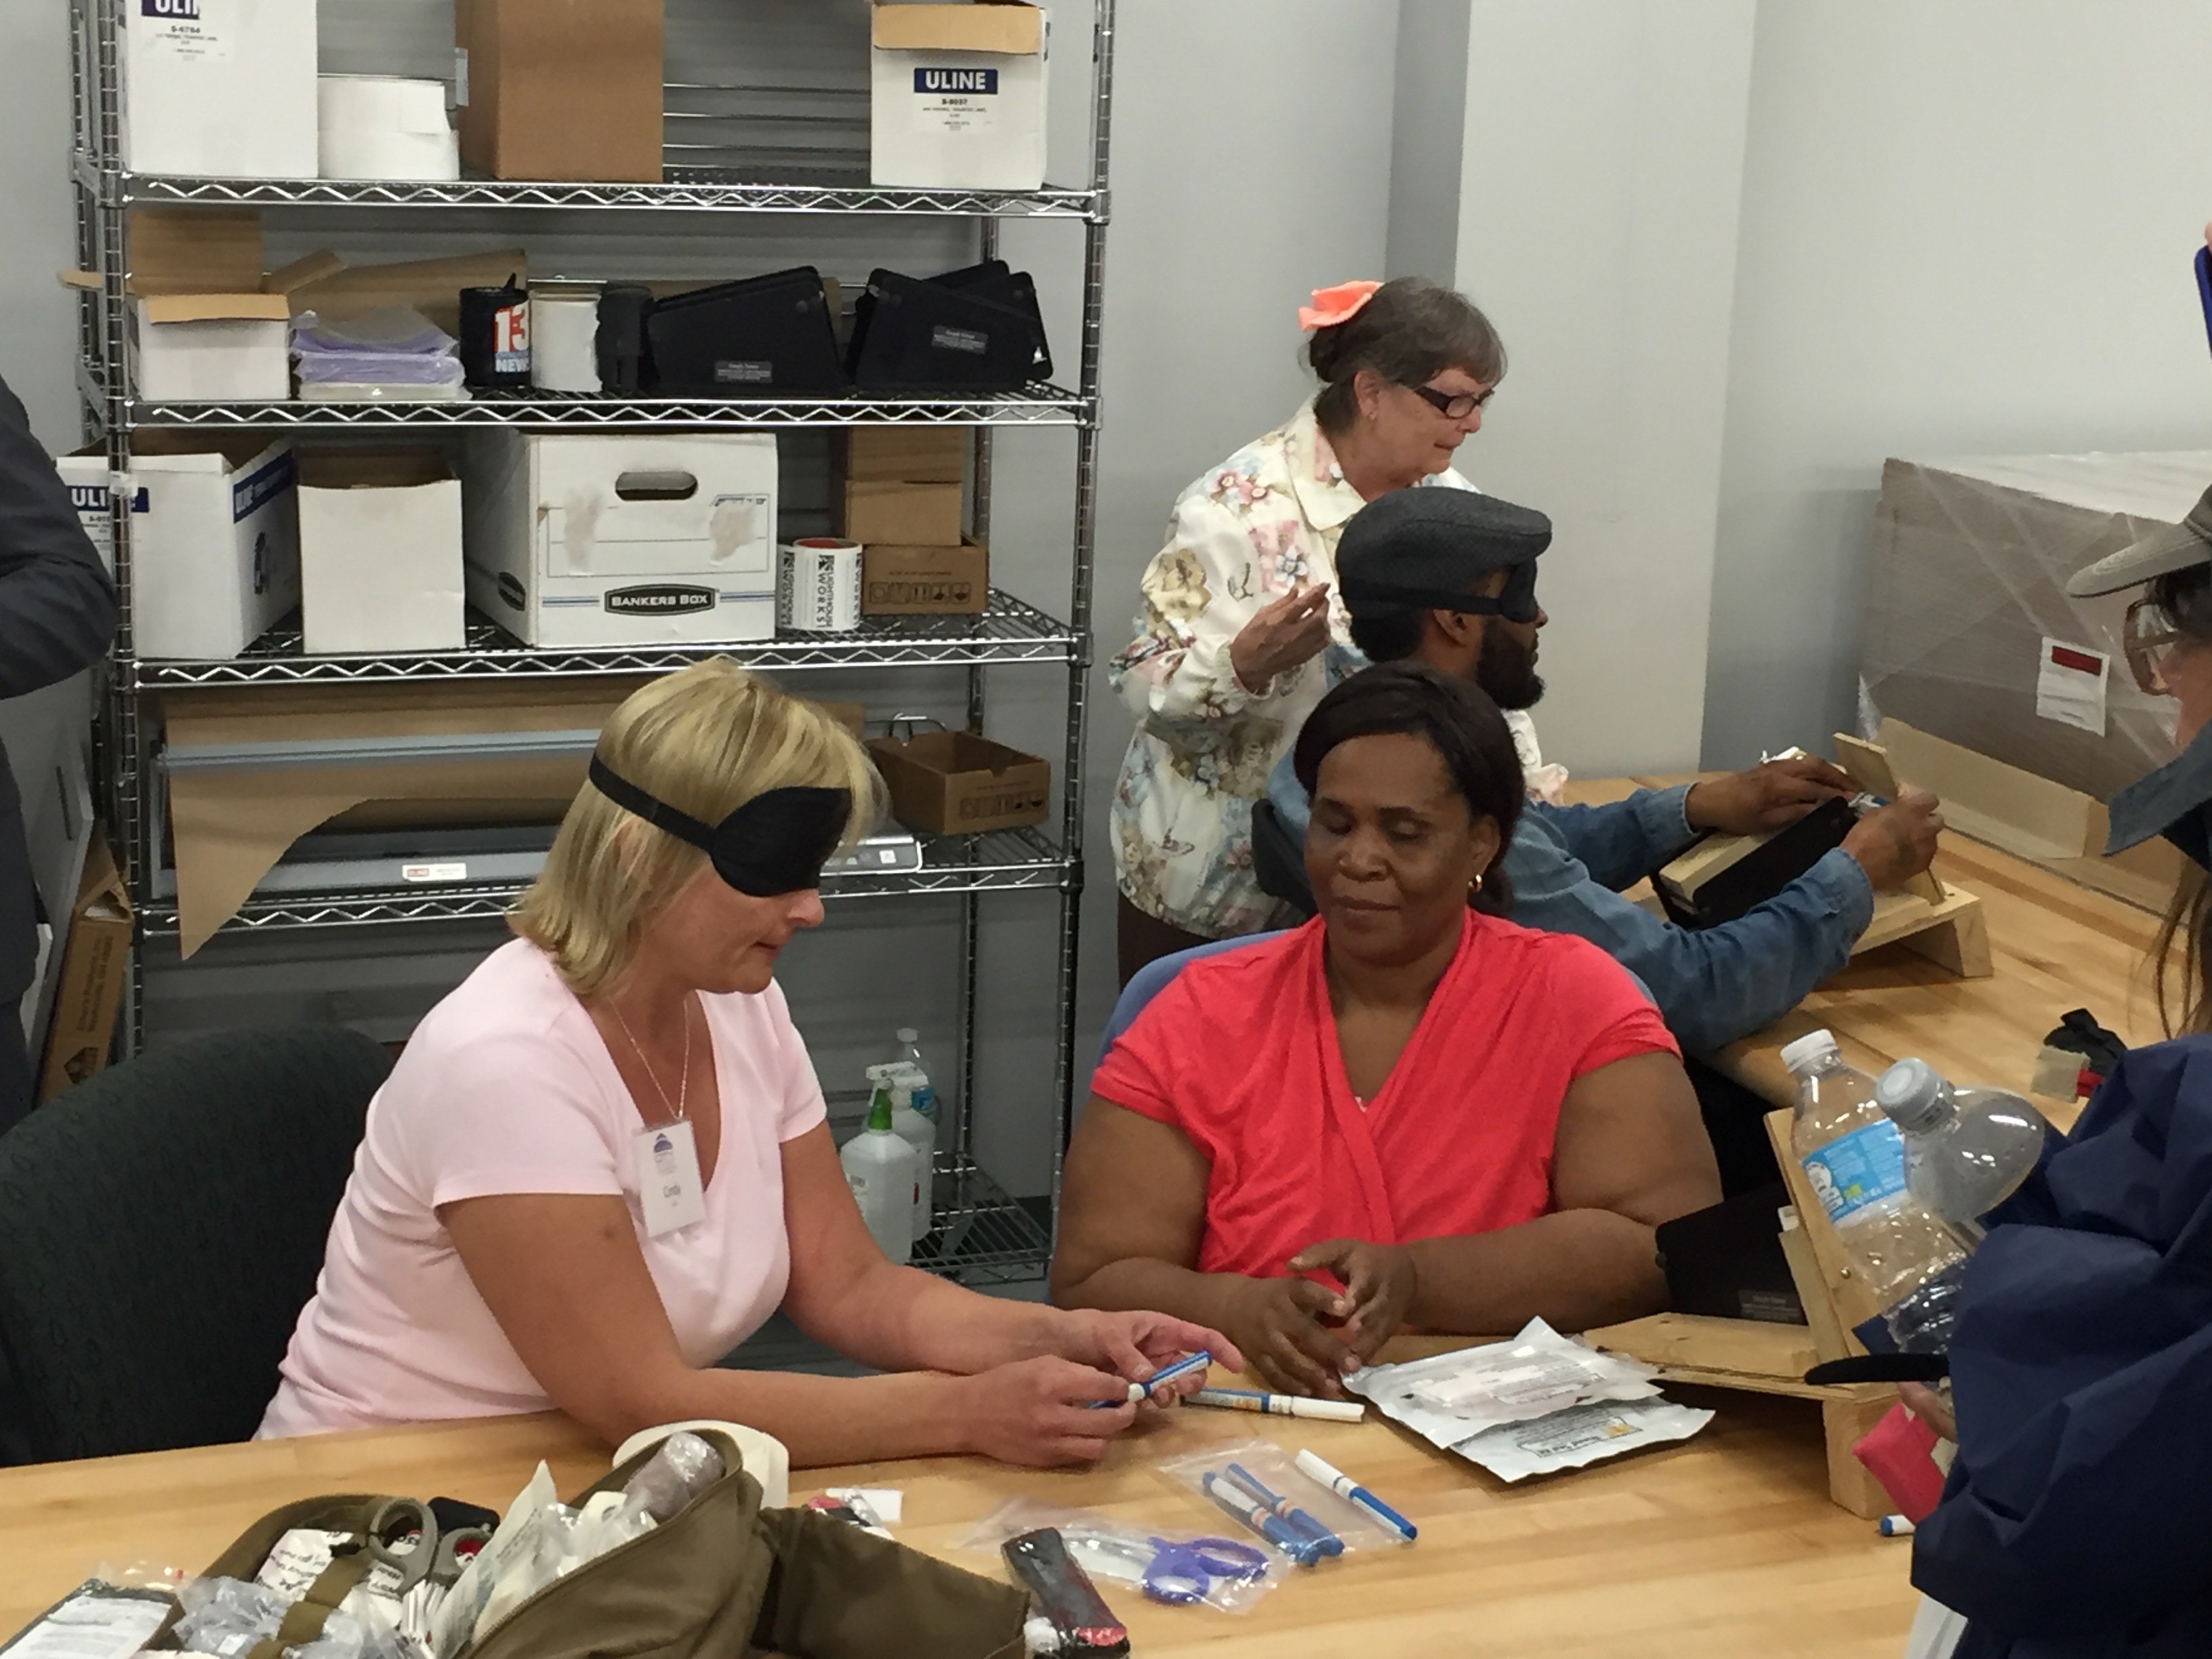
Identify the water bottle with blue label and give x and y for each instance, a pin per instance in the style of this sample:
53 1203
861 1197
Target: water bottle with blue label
1909 1261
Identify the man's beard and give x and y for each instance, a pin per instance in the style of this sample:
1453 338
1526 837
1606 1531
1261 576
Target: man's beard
1507 670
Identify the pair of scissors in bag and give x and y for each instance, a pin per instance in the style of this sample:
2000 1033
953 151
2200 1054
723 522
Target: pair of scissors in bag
1180 1575
435 1558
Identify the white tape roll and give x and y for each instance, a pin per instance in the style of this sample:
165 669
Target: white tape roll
825 585
564 330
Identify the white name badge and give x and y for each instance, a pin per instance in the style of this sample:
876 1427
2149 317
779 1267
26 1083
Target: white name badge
669 1190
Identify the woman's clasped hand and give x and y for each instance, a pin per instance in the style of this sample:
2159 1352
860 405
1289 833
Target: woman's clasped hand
1301 1336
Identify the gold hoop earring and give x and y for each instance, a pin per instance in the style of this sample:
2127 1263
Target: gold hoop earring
1475 886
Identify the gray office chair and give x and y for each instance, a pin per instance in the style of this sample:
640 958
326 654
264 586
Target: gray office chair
161 1224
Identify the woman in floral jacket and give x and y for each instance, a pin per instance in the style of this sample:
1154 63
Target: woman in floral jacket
1240 632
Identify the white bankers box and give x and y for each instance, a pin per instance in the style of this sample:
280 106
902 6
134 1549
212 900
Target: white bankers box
957 95
215 555
219 88
623 539
379 552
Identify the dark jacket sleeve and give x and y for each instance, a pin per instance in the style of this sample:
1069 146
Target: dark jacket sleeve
57 604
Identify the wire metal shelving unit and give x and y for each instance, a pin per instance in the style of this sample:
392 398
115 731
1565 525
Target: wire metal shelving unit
984 1236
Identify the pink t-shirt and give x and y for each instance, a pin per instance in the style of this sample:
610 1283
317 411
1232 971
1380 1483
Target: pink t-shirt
507 1087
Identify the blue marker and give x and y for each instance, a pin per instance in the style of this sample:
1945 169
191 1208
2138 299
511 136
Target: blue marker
1327 1541
1351 1492
1197 1362
1275 1530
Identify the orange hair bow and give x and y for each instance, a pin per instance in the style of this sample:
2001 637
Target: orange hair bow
1331 306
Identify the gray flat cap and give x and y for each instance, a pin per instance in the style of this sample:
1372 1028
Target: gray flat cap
1416 548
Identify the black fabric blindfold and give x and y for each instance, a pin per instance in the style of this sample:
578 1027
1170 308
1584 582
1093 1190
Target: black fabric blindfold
775 843
1518 604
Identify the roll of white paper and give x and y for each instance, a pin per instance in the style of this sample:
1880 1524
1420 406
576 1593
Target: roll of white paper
379 126
825 585
564 329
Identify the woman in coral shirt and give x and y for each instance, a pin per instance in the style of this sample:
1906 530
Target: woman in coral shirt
1463 1123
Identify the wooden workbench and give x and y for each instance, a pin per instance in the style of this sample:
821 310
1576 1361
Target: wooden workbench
1724 1548
2055 945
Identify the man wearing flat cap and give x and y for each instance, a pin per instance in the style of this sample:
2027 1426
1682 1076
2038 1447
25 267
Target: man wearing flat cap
1449 577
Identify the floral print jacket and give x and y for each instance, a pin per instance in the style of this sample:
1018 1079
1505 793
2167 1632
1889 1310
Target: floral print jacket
1245 533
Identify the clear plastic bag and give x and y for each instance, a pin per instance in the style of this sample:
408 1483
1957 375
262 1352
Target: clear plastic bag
225 1618
1453 1395
1294 1513
1119 1556
684 1467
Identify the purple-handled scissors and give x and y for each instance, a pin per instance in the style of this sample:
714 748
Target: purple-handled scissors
1180 1575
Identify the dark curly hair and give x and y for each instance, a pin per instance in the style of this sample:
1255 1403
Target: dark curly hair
1409 331
1461 724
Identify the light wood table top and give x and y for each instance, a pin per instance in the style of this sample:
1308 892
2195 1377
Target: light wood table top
1724 1545
2056 945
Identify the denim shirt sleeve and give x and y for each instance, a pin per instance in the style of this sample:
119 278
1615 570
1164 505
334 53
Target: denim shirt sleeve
1712 985
1622 842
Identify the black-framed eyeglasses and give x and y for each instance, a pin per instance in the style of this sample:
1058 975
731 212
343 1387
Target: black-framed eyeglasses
1453 406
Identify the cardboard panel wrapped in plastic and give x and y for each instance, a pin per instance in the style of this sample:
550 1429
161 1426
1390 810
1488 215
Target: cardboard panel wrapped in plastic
1970 635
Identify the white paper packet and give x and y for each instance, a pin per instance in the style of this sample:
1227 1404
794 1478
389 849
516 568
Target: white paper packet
1449 1396
1581 1435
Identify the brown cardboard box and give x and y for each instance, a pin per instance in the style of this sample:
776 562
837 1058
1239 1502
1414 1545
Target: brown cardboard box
561 89
903 454
230 823
93 965
1967 579
925 581
958 783
908 514
2034 819
853 716
337 292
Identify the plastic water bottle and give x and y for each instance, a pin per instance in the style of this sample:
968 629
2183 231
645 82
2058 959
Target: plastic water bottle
909 1053
1966 1150
1909 1261
879 1167
917 1131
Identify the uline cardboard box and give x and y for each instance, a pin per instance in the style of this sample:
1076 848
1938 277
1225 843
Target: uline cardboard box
623 539
214 556
925 581
92 489
959 783
560 89
93 966
219 88
380 552
957 95
910 515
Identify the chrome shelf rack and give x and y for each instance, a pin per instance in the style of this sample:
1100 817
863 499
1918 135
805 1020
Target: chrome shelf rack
684 190
985 1236
1008 631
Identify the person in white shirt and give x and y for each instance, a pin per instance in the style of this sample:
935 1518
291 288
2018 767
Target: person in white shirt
1239 618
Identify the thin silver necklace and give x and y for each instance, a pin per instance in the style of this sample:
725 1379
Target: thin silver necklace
682 1083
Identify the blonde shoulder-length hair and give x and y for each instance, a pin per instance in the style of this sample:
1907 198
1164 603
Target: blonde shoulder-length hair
705 740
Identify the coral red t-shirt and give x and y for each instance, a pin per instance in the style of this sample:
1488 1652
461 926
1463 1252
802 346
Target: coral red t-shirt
1240 1053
